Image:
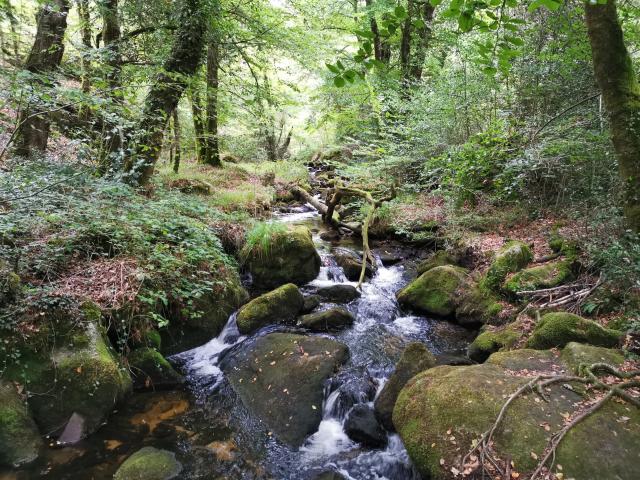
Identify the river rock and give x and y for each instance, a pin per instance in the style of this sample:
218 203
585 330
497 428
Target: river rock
460 403
362 426
311 302
330 235
150 369
20 441
149 463
351 263
415 358
281 305
279 378
559 328
575 355
292 259
548 275
437 259
340 293
433 292
331 320
494 339
67 367
511 258
330 476
476 305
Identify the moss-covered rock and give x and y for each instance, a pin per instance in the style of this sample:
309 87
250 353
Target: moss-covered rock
351 263
292 259
20 440
548 275
9 283
559 328
577 354
527 359
433 292
511 258
476 305
149 463
415 358
494 339
281 305
67 367
150 369
330 320
438 259
441 411
279 378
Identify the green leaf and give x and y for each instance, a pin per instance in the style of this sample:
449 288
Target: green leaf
350 75
490 71
339 82
333 68
552 5
435 3
465 22
365 34
419 23
400 12
340 65
514 40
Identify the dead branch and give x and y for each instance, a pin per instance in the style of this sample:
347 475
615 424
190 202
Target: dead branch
570 296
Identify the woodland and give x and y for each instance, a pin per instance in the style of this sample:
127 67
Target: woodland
319 240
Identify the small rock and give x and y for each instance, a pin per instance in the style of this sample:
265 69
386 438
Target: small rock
150 369
389 259
330 236
149 463
311 302
362 426
341 293
351 263
328 320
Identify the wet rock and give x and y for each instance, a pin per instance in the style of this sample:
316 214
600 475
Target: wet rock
292 259
311 302
350 387
68 366
330 476
331 320
575 355
351 263
20 440
281 305
149 463
279 378
512 257
559 328
362 426
150 369
452 359
415 358
74 430
389 259
433 292
330 236
341 293
494 339
463 402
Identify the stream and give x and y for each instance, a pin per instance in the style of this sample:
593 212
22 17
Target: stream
215 437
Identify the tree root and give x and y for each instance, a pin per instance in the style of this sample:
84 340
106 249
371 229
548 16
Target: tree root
589 376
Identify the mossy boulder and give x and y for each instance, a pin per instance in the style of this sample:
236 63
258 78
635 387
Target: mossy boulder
20 440
527 359
434 292
548 275
415 358
476 305
149 463
559 328
67 367
511 258
150 369
351 263
441 411
280 377
292 258
281 305
331 320
494 339
577 354
9 283
438 259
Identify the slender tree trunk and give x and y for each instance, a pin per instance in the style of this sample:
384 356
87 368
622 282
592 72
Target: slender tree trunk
423 35
381 49
111 36
405 44
13 25
284 147
197 112
85 29
212 149
176 140
163 97
44 58
621 93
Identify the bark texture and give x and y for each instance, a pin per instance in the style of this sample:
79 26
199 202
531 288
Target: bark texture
163 97
621 93
212 147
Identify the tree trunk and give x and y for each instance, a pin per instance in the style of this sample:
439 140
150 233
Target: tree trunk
111 36
405 43
85 29
381 49
44 58
212 149
163 97
176 141
197 112
621 94
423 35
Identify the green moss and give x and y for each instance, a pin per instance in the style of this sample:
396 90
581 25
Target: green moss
543 276
576 355
434 291
149 463
20 440
476 304
9 283
526 359
281 305
493 340
558 329
512 257
151 370
438 259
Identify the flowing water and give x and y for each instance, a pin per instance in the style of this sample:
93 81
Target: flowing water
215 437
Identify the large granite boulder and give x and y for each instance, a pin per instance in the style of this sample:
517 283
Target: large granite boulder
434 292
559 328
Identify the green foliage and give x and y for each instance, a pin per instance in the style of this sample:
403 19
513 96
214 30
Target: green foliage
260 239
